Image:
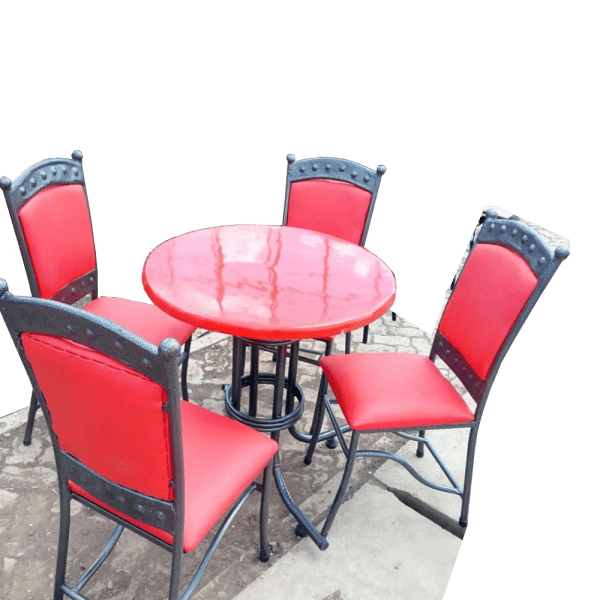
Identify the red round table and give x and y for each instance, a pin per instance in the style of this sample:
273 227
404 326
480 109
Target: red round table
273 285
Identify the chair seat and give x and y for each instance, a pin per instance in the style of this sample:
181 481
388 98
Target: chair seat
221 459
393 391
145 320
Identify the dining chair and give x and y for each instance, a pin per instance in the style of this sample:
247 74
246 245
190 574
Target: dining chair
125 445
333 196
504 275
49 209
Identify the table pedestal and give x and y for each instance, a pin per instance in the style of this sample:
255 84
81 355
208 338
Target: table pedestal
280 420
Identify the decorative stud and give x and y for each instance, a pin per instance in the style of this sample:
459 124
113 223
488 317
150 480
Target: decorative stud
381 169
32 182
73 289
302 169
542 260
71 327
22 190
53 170
366 179
503 229
342 167
89 334
315 167
75 172
354 174
532 248
44 175
121 499
91 279
139 508
64 169
514 232
146 362
118 346
328 168
290 158
160 515
524 238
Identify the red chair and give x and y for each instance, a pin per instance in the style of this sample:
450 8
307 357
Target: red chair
505 273
333 196
50 214
125 445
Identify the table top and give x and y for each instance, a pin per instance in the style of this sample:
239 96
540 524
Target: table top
268 282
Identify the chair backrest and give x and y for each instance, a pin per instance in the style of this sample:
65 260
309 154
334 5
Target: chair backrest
331 195
111 401
504 275
49 210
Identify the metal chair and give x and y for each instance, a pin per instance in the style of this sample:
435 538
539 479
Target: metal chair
50 214
333 196
125 444
505 273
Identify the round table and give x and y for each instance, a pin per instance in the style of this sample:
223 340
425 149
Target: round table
269 285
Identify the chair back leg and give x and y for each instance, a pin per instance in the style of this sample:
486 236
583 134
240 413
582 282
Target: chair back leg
33 406
343 485
176 558
63 538
466 495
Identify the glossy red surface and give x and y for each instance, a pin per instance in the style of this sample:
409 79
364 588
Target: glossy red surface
268 282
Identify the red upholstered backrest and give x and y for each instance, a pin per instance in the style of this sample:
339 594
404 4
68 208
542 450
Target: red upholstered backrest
493 288
327 206
104 414
58 232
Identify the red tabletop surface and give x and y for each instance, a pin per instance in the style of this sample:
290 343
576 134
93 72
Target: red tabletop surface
268 282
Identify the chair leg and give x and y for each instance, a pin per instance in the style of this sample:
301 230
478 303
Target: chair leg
317 423
348 347
466 496
33 406
176 558
184 368
421 445
365 334
63 539
393 316
343 485
264 512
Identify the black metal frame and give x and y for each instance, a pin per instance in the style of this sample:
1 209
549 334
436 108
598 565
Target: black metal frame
282 418
49 172
544 262
159 364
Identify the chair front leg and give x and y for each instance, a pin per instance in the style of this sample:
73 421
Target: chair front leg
343 485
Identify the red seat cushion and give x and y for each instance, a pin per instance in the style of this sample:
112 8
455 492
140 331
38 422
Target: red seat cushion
58 232
393 391
145 320
221 459
328 206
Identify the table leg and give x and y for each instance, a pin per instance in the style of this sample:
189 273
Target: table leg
237 370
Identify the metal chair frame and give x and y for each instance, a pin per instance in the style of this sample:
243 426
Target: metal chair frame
544 262
159 364
49 172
